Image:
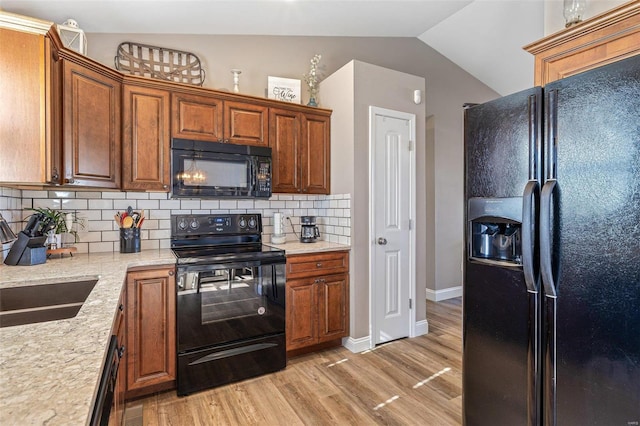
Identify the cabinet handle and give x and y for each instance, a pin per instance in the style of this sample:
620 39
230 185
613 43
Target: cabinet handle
121 351
319 280
121 307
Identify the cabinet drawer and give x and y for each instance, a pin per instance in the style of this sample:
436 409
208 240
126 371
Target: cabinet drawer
310 265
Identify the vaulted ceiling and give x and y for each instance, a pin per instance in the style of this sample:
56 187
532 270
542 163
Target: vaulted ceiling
484 37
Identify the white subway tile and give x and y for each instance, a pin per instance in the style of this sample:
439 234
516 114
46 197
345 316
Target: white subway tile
189 204
72 204
158 214
210 204
148 205
285 197
153 224
277 204
165 244
114 195
137 196
158 195
169 204
159 234
47 203
111 235
90 215
245 204
228 204
89 195
262 204
122 205
34 194
100 204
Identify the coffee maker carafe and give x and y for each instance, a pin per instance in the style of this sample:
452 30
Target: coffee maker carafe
309 232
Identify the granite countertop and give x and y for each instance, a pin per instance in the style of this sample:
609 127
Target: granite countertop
49 372
296 247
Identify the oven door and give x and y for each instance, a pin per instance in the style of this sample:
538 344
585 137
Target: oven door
227 302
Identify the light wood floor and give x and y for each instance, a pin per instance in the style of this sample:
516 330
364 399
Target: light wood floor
406 382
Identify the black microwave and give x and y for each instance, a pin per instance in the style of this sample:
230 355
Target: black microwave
201 169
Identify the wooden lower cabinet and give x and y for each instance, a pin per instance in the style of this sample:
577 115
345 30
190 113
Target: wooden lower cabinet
317 297
151 330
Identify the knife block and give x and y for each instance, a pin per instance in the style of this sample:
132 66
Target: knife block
27 250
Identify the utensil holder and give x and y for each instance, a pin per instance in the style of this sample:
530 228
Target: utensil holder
129 240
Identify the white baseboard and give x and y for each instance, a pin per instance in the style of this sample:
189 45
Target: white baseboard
422 327
444 294
360 344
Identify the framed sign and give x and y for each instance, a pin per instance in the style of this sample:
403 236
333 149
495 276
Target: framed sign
284 89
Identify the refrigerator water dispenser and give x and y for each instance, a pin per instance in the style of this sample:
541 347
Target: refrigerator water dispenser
495 230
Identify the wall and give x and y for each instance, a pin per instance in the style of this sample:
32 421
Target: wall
349 92
100 232
447 88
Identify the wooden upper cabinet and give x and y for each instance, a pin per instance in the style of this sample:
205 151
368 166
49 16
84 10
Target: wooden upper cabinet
29 102
300 145
208 118
285 132
196 117
246 124
91 126
145 139
605 38
316 156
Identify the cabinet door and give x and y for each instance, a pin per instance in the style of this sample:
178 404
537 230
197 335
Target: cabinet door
246 124
316 155
284 138
333 303
196 117
151 347
145 143
92 130
301 313
27 69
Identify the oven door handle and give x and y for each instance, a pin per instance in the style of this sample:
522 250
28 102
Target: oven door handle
217 266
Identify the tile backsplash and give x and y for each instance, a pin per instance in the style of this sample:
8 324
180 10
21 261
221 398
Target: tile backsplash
101 234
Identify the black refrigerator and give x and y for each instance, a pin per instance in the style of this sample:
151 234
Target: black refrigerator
551 293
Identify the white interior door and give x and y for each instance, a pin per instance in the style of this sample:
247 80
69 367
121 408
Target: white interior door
393 194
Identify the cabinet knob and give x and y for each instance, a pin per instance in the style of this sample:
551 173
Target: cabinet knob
121 351
318 265
171 273
319 280
121 307
165 186
69 180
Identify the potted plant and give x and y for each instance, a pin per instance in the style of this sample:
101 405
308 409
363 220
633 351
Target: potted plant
64 222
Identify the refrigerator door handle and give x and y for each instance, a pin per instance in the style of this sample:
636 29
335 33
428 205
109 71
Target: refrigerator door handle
529 209
546 268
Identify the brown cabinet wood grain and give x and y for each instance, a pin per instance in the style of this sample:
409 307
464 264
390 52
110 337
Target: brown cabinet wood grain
317 308
145 139
151 331
605 38
209 118
300 144
91 127
29 103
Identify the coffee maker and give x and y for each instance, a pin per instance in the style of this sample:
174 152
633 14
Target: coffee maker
309 232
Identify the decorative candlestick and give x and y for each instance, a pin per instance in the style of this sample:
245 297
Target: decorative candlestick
236 80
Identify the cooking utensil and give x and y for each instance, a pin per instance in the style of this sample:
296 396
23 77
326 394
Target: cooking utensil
127 222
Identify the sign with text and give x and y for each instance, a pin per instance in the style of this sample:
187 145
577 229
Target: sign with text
284 89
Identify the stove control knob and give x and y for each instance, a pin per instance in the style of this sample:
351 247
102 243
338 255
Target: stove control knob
242 223
194 224
182 224
252 222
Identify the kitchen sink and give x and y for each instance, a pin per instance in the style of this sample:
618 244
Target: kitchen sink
43 302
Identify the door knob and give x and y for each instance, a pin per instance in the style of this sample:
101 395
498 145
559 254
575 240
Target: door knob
382 241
